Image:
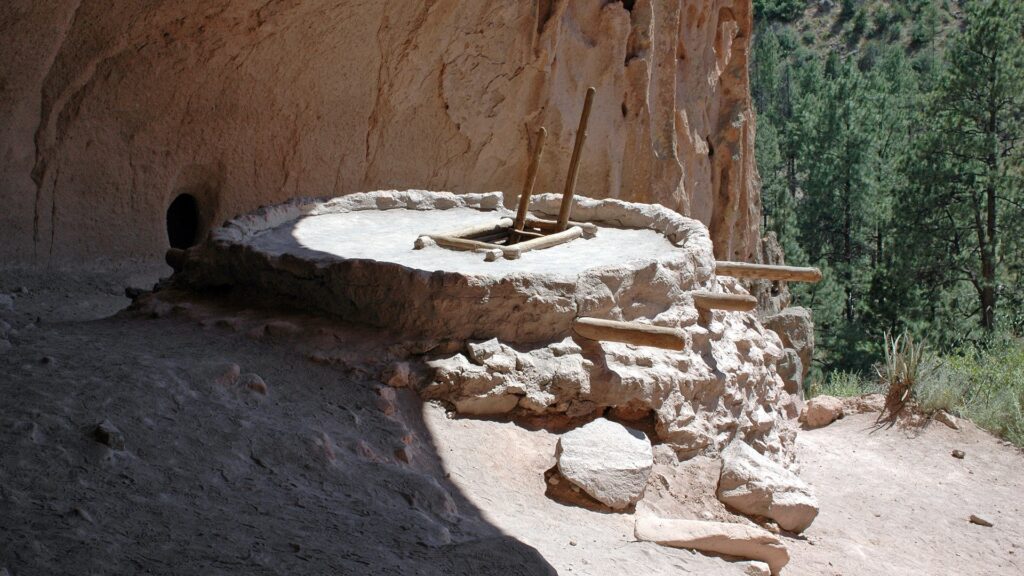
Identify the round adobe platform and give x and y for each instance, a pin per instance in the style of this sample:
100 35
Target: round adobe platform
354 257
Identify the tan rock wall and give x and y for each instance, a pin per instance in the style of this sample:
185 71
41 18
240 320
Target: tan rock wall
111 108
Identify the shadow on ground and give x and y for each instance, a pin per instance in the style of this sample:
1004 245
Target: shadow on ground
323 474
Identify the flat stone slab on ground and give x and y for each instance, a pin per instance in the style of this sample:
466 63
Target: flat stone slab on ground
715 537
607 460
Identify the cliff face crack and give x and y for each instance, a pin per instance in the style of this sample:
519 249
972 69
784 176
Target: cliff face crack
544 12
53 211
378 95
40 162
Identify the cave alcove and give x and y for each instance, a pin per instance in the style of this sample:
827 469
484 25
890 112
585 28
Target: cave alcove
183 222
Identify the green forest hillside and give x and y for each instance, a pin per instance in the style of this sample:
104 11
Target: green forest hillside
849 25
889 147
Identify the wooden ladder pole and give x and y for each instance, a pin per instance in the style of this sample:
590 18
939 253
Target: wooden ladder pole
574 164
544 241
531 179
589 228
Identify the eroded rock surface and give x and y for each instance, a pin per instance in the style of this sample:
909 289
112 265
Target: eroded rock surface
607 460
795 326
753 484
243 104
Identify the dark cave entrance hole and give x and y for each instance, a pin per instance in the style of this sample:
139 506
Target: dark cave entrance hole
183 221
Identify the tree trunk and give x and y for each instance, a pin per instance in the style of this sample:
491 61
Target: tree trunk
847 217
988 249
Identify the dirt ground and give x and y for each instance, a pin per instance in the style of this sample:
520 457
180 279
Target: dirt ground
328 471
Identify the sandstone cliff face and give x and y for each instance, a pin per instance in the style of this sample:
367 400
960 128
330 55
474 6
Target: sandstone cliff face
110 109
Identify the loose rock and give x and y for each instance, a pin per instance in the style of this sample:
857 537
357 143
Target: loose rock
6 302
822 411
608 461
398 375
106 433
253 382
715 537
959 454
864 403
753 484
947 419
980 521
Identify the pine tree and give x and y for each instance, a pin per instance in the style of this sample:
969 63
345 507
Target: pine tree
967 172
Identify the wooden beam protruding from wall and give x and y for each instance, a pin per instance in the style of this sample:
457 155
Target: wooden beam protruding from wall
630 333
767 272
722 301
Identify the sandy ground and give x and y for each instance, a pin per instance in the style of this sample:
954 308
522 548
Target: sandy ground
328 472
897 502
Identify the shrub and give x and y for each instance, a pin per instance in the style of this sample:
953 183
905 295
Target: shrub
926 25
847 8
983 384
883 18
859 23
843 384
784 10
904 368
